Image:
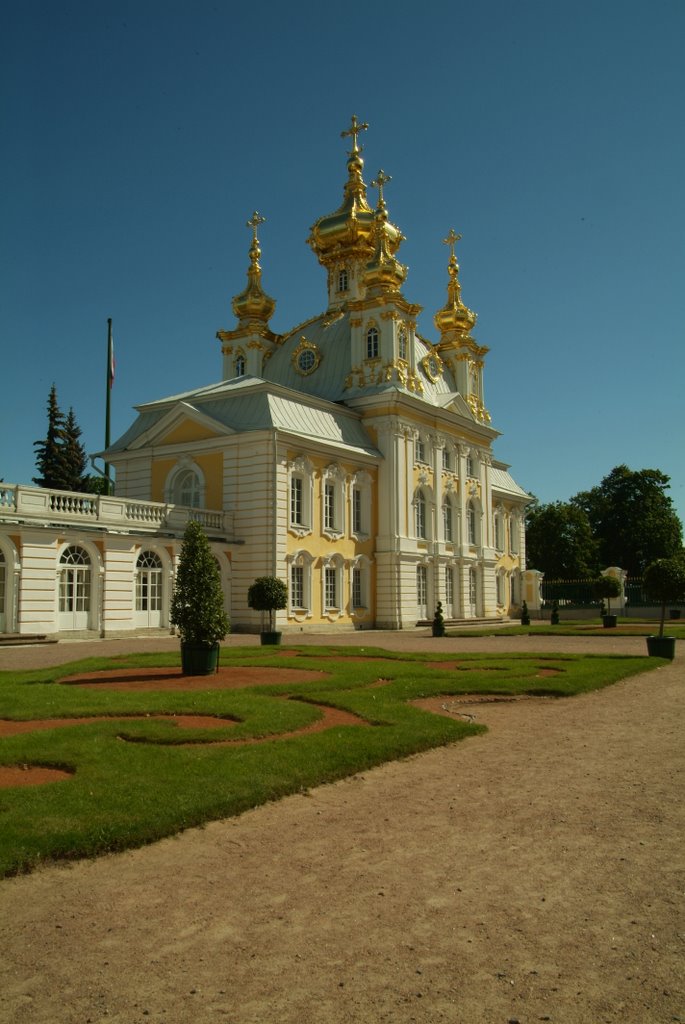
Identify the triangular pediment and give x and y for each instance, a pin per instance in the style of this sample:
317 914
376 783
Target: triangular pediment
182 424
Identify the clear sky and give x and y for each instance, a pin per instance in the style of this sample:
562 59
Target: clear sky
139 136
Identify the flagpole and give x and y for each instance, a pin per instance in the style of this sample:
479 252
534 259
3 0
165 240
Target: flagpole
110 358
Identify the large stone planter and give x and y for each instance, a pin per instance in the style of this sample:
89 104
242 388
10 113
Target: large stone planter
270 638
661 647
609 621
199 659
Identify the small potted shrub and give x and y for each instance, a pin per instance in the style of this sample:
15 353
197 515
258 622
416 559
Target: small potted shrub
438 621
268 594
525 615
664 581
554 617
197 606
607 586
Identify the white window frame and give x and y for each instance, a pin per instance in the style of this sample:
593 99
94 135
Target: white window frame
332 569
449 589
239 366
403 343
448 520
419 450
360 588
421 530
422 587
333 502
176 485
343 280
473 523
360 515
499 528
300 560
372 341
446 460
513 533
301 470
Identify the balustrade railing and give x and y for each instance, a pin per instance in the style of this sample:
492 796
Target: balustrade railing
31 504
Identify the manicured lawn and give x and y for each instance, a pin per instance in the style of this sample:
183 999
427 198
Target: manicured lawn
137 779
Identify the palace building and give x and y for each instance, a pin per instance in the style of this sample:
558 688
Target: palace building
349 456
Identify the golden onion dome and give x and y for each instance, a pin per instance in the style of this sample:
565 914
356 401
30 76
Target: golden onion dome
349 232
253 304
454 315
384 273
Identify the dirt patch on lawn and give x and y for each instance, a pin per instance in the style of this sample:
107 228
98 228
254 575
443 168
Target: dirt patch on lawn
230 678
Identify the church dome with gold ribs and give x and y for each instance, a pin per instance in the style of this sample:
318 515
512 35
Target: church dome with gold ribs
348 234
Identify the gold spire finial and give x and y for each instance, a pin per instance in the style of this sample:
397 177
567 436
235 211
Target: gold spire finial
452 240
355 128
255 220
381 179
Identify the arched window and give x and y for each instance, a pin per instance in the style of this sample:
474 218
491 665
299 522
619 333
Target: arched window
187 489
372 343
148 582
513 533
240 365
74 588
342 280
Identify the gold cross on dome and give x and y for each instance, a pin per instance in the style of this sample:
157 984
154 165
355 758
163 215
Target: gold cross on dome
355 128
255 220
451 240
381 179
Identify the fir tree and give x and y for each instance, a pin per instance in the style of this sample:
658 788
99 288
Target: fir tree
74 455
50 461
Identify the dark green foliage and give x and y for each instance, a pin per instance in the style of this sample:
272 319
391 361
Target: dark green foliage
61 458
559 541
50 460
438 621
554 619
525 615
197 606
664 581
73 453
607 586
632 518
268 594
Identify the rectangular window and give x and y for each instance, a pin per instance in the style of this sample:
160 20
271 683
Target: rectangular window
356 510
420 450
446 461
296 506
329 507
449 586
357 601
421 586
447 522
331 588
297 586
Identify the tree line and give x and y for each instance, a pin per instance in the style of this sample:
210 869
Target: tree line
61 458
627 520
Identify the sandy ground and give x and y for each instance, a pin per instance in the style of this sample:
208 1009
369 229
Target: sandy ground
535 873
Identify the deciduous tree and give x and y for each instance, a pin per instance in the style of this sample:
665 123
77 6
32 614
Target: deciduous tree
559 541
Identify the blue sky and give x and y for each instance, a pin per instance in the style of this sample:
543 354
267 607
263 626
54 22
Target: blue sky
140 136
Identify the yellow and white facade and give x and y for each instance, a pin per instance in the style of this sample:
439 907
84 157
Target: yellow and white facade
350 456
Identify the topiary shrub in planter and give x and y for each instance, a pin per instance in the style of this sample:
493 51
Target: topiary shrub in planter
197 606
664 582
607 586
438 621
554 618
525 615
268 594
